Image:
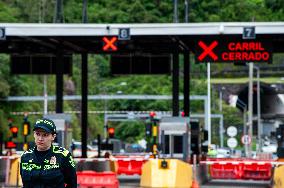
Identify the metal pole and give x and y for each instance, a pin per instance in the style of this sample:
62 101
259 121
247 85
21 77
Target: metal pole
259 128
163 142
85 12
186 11
250 107
105 116
220 100
185 146
45 94
209 103
84 106
58 12
175 11
175 82
186 84
221 123
59 80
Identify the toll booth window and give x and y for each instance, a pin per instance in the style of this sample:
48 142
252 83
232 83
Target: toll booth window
167 144
177 144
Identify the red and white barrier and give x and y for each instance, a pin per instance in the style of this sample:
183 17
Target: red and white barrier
241 168
127 165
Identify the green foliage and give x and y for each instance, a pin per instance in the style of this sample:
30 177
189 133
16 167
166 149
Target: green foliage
8 13
130 132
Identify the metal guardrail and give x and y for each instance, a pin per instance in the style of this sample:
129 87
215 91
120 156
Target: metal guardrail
100 97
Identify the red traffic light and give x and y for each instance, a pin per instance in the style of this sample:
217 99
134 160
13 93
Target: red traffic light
111 132
152 114
14 129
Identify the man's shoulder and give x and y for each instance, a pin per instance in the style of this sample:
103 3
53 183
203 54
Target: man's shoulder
60 150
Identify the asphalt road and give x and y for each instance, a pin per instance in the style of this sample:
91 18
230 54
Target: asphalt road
236 184
134 181
129 181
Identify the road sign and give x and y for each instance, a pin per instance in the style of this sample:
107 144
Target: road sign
232 142
124 34
207 50
233 51
109 43
232 131
249 33
2 33
246 139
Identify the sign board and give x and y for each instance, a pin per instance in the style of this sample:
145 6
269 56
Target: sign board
232 131
246 139
232 142
38 64
109 44
140 64
2 33
249 33
124 34
233 51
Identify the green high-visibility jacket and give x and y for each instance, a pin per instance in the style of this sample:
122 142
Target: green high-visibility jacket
56 169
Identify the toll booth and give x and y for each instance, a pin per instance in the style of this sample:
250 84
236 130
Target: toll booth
171 135
63 128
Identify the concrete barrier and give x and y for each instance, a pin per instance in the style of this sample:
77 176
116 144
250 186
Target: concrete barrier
278 180
166 173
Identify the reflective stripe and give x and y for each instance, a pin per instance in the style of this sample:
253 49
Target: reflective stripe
60 150
30 167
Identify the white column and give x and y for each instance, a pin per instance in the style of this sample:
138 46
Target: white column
209 103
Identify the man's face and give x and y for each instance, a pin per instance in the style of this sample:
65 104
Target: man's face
43 139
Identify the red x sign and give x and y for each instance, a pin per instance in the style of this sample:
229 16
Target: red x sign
208 50
109 44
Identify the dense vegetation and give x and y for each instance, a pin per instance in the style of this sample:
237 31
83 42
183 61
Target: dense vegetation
100 81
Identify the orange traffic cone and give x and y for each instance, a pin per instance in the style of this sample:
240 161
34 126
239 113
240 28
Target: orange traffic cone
195 184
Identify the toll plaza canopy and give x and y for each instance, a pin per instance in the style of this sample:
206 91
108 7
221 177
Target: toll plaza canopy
151 38
211 42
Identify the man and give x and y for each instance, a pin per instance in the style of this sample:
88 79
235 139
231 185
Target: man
46 165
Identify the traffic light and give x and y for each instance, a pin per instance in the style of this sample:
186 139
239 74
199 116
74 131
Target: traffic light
148 129
26 129
204 141
111 132
14 131
195 138
152 114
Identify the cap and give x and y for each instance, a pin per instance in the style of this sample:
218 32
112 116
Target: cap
45 124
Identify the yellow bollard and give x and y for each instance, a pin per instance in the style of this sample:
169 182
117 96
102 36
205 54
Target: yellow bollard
15 177
166 173
278 177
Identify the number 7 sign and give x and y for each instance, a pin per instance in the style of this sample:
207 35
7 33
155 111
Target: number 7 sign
249 33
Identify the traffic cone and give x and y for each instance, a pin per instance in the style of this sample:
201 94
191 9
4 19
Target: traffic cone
195 184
